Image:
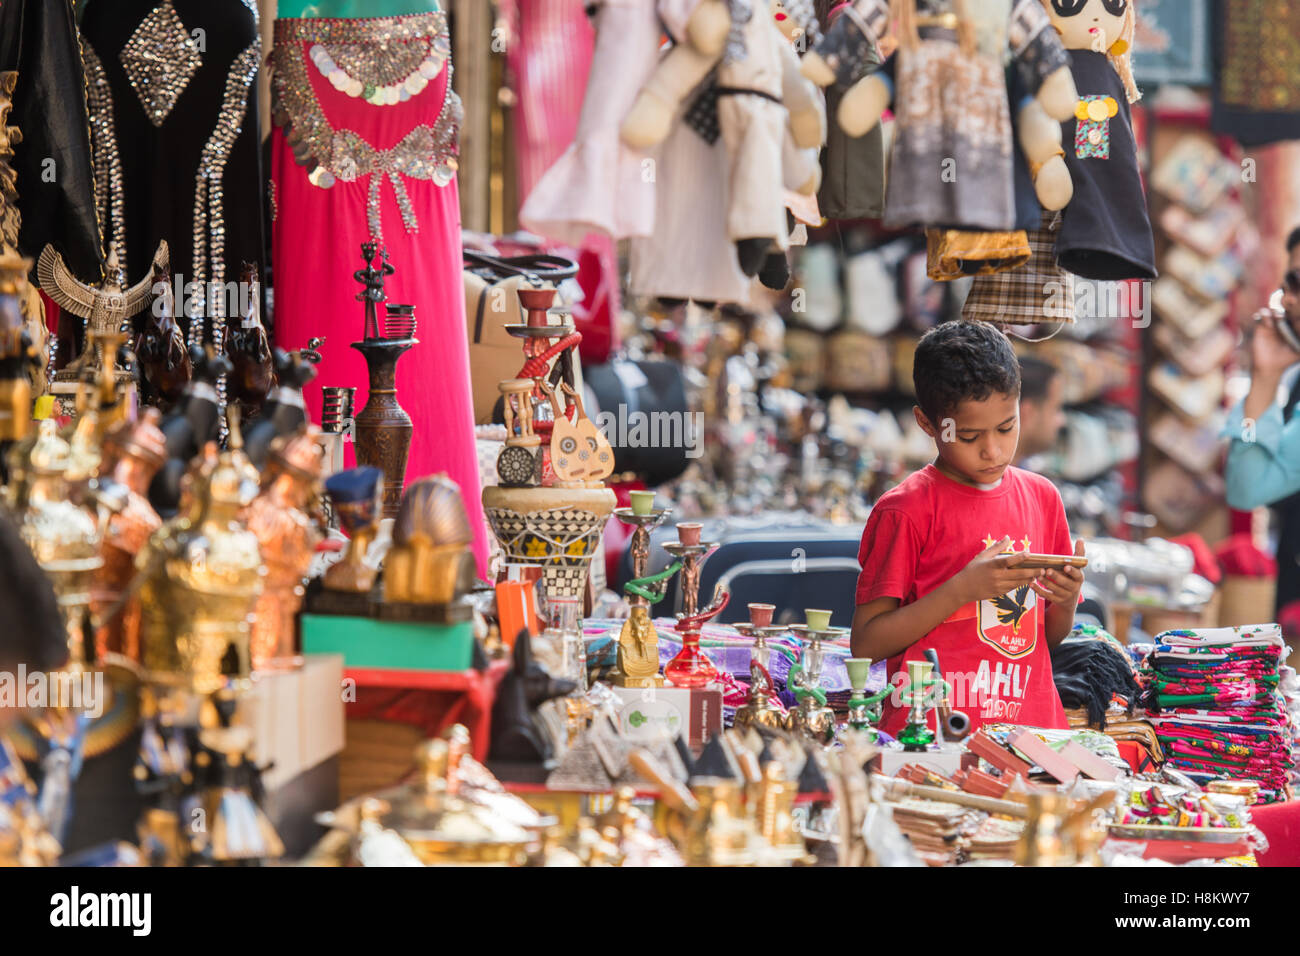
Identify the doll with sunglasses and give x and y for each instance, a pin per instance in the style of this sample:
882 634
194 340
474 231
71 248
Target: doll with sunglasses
1106 232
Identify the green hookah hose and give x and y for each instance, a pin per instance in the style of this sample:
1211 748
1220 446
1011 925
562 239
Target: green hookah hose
906 695
641 586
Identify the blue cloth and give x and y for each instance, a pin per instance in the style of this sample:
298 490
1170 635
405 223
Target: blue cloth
1266 469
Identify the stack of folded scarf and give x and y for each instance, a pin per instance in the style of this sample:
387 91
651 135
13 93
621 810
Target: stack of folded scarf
1290 690
1213 698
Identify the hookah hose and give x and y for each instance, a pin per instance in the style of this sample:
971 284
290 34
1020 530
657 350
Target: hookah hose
907 695
535 367
642 587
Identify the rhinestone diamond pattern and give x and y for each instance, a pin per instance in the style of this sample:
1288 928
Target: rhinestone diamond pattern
160 59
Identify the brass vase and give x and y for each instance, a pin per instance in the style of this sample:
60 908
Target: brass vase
383 429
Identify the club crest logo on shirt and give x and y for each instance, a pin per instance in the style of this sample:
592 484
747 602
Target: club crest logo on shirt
1009 623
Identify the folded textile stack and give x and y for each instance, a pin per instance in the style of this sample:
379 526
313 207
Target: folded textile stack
995 839
1213 698
936 830
1289 687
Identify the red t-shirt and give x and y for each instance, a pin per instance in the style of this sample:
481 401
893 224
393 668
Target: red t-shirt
993 653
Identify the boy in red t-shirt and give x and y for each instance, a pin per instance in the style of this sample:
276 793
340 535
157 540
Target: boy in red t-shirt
935 568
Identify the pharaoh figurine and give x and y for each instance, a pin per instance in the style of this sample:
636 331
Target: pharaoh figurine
638 641
287 536
638 651
106 308
239 831
430 561
132 453
356 496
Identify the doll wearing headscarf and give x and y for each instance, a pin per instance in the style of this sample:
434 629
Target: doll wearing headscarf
1106 231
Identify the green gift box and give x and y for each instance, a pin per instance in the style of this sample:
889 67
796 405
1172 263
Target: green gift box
389 645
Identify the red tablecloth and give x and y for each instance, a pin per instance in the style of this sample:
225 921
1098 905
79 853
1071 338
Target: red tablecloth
1280 822
430 700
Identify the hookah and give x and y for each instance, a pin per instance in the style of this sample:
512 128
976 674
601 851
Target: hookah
917 736
759 711
812 717
864 710
691 667
638 642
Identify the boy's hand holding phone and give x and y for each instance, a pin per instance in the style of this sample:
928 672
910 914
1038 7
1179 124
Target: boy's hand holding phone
1062 586
993 573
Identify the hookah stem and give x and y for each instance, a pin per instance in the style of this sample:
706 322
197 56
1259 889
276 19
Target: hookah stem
641 586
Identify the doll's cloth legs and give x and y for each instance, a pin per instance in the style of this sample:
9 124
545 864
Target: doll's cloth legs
753 128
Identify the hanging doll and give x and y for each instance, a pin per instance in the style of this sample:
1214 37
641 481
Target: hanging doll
952 159
1106 232
758 91
801 167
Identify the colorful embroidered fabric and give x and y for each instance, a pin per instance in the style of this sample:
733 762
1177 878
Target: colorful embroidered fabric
1214 701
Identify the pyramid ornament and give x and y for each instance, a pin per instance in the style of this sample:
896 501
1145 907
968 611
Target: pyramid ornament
160 58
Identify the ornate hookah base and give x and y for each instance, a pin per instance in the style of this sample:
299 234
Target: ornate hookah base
691 667
813 720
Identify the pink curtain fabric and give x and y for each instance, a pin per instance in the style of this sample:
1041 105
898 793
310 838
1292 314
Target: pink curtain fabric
316 240
549 62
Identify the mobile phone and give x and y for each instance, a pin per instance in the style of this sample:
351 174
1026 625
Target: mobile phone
1053 561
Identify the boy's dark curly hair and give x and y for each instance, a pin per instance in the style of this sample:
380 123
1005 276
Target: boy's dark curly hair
960 361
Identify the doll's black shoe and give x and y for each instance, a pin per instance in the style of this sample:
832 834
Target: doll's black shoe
775 273
752 253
